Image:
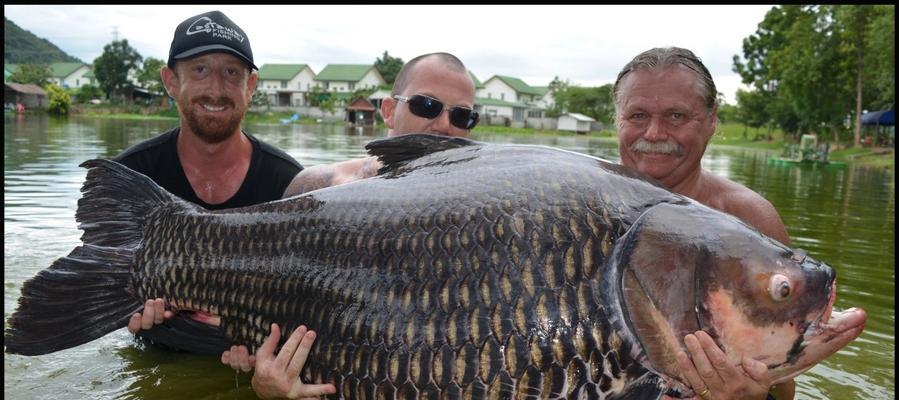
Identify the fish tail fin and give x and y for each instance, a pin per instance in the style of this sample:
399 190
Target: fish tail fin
81 297
89 292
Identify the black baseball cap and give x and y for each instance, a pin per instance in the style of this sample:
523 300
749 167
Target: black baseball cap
210 32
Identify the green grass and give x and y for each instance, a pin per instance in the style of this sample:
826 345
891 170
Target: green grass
879 158
733 134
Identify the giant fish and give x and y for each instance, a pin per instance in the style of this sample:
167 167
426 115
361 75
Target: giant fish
463 270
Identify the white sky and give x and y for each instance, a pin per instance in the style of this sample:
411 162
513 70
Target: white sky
586 44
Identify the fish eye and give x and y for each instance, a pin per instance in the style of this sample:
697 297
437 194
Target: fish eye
779 288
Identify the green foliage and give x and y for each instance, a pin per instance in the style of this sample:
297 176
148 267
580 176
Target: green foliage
727 113
808 64
38 74
87 93
113 66
558 88
149 76
321 98
388 67
23 47
59 101
881 64
260 99
363 93
595 102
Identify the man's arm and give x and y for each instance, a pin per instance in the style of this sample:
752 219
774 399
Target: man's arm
322 176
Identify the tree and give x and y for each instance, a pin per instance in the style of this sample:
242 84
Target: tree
815 66
113 67
881 58
87 93
59 101
38 74
149 75
595 102
389 67
752 111
558 89
260 99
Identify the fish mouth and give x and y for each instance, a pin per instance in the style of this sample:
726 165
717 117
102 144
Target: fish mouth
832 331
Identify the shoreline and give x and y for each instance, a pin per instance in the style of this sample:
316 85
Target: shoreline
730 134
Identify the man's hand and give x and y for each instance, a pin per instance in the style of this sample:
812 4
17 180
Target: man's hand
154 314
712 376
239 358
279 376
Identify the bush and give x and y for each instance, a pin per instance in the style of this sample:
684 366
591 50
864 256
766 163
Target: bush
60 102
87 93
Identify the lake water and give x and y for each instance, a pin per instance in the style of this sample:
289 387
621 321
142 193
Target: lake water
845 217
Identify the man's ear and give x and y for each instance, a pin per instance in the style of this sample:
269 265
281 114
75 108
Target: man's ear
252 80
388 108
169 80
713 123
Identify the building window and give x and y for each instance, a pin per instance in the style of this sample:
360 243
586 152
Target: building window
502 96
352 86
283 84
517 114
489 95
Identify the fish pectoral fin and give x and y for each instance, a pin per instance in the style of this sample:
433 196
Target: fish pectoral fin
648 387
395 152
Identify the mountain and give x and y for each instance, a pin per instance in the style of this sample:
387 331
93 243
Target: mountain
23 47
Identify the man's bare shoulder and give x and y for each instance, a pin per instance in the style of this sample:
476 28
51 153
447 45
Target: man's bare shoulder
749 206
326 175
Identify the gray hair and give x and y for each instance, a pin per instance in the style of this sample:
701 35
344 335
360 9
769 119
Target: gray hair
405 75
667 57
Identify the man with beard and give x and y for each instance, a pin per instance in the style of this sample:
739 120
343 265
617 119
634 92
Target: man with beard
207 159
666 111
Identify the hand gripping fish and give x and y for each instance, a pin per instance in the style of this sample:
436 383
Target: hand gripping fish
463 270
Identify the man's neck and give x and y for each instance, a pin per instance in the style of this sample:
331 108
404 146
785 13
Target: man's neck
693 186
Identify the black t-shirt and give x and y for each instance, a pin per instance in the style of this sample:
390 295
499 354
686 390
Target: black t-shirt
271 170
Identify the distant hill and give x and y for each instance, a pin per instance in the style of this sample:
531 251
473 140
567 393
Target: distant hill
23 47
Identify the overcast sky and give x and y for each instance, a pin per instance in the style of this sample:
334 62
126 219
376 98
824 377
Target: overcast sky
587 44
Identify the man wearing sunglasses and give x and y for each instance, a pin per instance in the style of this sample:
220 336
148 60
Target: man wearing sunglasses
432 93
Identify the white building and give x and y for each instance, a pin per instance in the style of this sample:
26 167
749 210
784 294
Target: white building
70 75
523 99
286 84
347 78
575 122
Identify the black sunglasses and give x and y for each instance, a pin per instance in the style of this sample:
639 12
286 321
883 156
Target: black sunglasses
430 108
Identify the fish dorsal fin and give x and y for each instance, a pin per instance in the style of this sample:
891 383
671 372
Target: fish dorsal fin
394 152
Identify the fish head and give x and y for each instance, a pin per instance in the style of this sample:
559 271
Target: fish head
761 299
688 267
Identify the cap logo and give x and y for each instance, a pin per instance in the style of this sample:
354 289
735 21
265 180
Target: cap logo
207 25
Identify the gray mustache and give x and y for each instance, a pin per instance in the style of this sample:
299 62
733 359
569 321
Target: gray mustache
666 147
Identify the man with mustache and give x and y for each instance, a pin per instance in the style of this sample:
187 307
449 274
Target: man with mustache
207 159
666 111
